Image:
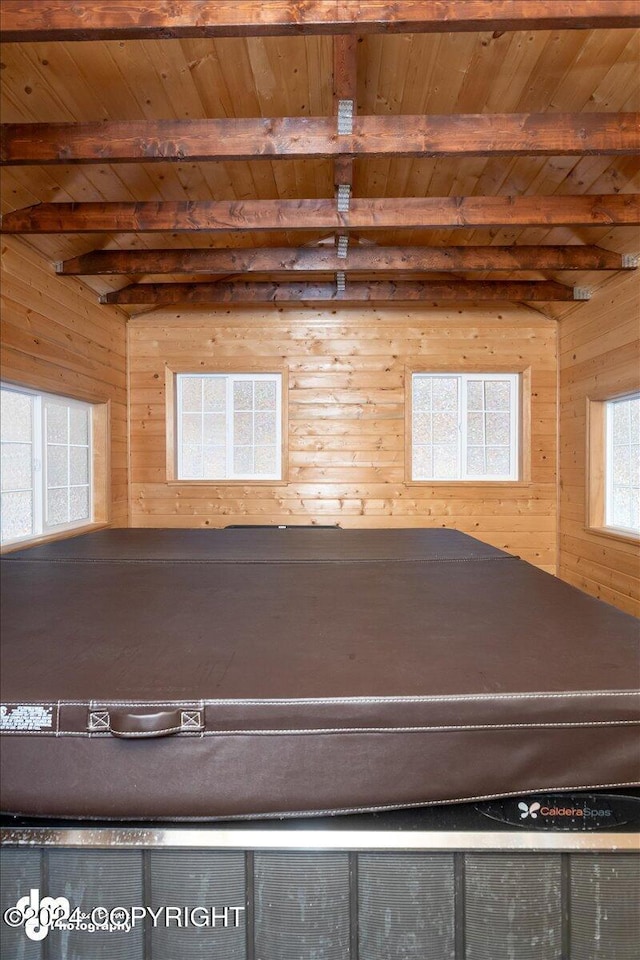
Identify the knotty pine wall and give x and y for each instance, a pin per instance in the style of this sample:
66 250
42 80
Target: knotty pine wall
56 337
346 418
599 351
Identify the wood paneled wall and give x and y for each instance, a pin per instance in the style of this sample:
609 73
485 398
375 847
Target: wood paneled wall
599 355
56 337
346 372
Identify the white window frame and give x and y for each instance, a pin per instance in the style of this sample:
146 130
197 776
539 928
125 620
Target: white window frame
608 467
514 420
39 486
230 379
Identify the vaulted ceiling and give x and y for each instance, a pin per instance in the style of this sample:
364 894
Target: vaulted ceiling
213 152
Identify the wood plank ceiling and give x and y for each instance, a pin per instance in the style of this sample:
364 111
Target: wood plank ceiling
324 151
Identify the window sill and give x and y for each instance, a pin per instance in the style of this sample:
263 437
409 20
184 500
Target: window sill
623 535
520 484
50 537
227 483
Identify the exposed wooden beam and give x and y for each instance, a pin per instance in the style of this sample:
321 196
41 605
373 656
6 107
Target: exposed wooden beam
359 260
185 216
461 135
345 88
45 20
377 291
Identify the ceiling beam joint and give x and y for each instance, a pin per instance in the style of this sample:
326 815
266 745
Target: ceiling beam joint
345 118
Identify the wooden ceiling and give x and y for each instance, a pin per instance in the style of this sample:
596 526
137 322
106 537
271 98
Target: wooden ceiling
193 151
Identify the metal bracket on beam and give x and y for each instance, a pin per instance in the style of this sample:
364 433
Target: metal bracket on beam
630 261
581 293
343 246
341 281
344 197
345 117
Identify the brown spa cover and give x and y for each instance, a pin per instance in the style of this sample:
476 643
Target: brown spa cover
247 673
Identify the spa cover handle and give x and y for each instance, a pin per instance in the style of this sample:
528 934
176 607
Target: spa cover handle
130 723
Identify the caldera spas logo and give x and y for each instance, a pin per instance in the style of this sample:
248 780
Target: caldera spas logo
528 810
550 812
564 811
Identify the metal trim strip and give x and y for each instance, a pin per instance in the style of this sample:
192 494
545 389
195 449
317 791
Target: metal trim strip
246 838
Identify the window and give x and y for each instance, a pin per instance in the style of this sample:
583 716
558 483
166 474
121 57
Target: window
464 426
622 507
229 426
46 446
613 476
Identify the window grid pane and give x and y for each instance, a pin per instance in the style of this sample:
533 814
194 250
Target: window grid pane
17 515
489 427
464 426
435 427
623 464
229 428
17 473
67 464
16 465
16 420
43 436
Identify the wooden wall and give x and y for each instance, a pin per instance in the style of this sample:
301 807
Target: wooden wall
346 409
346 418
56 337
599 353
